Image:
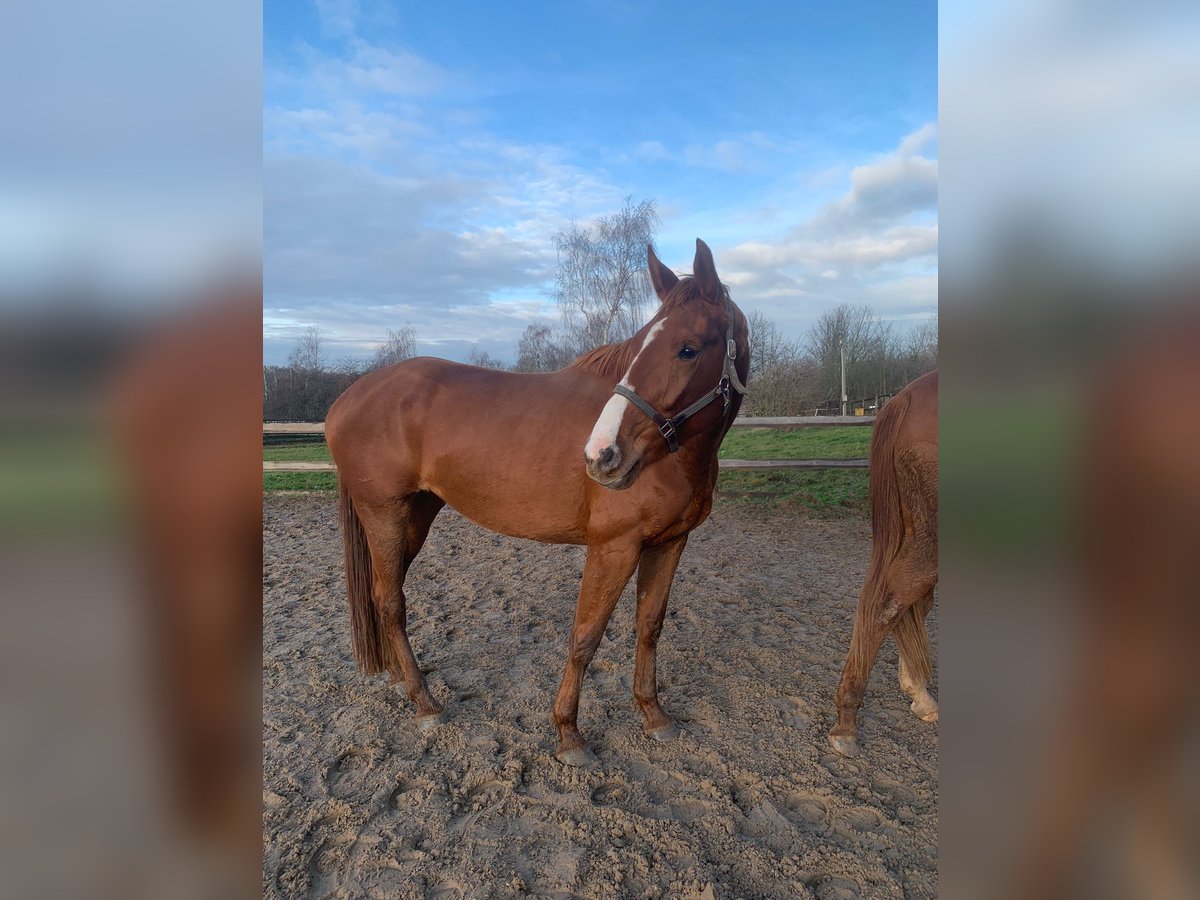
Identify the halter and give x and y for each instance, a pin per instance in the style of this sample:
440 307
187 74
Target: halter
669 428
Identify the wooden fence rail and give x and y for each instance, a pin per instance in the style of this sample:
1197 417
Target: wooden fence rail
741 422
316 428
296 466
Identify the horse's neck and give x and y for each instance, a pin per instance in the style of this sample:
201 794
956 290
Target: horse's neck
705 446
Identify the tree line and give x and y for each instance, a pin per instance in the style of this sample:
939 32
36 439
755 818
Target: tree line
304 389
603 293
800 377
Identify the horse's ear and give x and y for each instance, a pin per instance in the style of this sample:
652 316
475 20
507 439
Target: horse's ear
705 272
662 277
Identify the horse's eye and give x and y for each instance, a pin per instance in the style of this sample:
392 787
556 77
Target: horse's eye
687 352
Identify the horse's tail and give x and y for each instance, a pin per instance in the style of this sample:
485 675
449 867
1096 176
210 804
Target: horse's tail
887 522
887 533
370 645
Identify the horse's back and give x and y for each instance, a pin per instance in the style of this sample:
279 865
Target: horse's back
399 387
502 448
376 421
918 430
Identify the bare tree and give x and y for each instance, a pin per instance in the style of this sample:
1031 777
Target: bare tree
307 356
348 365
768 346
880 358
602 284
920 350
867 342
399 346
483 359
783 381
305 388
541 349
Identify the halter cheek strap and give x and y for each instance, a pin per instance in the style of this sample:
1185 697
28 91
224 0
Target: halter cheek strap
669 428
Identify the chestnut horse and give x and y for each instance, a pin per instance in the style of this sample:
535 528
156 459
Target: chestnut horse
588 455
898 592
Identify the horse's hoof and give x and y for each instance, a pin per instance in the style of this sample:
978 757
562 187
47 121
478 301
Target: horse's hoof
580 756
431 721
845 744
925 711
664 734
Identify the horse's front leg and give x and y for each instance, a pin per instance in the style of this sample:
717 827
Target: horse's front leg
656 571
605 574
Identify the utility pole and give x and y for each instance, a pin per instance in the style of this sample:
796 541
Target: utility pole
845 411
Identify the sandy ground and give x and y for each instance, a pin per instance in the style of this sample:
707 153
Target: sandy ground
750 802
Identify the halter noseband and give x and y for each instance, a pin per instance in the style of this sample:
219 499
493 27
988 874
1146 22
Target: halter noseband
669 428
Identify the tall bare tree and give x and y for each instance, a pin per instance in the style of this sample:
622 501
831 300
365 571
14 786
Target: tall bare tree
399 346
768 346
880 357
483 359
867 341
602 284
919 353
542 349
304 389
307 355
783 381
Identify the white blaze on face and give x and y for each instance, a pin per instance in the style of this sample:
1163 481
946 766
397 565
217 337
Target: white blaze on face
604 432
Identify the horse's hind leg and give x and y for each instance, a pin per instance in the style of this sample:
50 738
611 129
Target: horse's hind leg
399 536
913 642
656 571
865 640
905 585
604 577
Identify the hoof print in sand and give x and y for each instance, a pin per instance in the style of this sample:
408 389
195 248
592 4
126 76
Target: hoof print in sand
347 775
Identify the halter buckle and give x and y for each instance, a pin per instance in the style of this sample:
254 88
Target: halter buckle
731 348
667 430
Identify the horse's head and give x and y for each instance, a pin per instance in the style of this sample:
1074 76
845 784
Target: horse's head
681 380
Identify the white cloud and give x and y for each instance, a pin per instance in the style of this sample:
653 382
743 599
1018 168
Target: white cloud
338 18
876 244
336 231
376 216
738 154
917 142
386 201
388 72
653 151
890 188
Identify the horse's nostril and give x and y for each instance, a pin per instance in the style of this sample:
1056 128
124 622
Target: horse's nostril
606 456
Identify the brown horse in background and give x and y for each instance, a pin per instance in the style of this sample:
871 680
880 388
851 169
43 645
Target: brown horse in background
580 456
898 592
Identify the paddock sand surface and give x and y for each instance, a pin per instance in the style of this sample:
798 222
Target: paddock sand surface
749 802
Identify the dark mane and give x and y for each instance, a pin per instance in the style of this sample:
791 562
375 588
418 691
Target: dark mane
615 359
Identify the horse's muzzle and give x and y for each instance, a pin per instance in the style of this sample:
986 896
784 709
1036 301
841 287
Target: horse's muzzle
612 469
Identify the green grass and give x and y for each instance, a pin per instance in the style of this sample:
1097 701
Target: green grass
299 481
797 443
823 491
314 452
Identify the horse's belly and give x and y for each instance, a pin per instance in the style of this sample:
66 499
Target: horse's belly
521 502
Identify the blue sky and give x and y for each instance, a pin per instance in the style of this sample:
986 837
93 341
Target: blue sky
418 158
